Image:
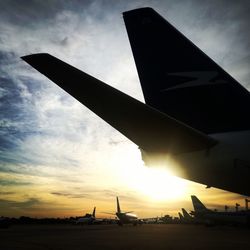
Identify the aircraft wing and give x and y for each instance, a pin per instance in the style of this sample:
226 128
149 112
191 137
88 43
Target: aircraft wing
147 127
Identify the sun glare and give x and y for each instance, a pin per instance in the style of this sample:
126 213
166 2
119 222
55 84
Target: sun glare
159 184
155 183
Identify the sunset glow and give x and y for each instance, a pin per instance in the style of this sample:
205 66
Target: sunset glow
57 158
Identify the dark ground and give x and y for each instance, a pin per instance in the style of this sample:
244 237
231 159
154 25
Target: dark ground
123 238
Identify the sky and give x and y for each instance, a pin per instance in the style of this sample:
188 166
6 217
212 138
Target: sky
59 159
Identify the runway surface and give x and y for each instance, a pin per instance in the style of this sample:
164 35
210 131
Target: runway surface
55 237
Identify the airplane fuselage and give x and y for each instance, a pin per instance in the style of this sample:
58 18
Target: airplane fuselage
227 163
85 220
209 217
232 218
126 218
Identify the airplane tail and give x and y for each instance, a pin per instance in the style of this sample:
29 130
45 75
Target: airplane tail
180 216
186 214
118 205
179 79
198 205
147 127
93 214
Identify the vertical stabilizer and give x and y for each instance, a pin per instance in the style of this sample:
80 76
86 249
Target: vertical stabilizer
179 79
186 214
198 205
118 205
93 214
181 216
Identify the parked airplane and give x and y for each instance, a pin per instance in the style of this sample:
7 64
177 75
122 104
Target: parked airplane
196 119
209 217
153 220
181 217
187 217
89 219
125 217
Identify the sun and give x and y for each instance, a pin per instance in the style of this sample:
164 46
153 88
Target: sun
159 184
153 183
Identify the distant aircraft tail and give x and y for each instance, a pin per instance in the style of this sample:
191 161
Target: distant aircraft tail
93 214
118 205
199 207
180 216
186 214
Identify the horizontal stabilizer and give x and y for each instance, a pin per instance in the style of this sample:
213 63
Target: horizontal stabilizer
147 127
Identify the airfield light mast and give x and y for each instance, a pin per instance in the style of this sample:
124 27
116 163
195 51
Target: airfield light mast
247 200
237 207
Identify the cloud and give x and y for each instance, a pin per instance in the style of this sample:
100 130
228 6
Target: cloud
13 183
70 195
27 204
46 133
6 193
38 122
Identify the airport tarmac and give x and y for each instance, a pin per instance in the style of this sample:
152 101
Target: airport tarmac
171 236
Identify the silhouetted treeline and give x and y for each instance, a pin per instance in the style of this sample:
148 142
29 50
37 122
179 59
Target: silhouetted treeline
29 220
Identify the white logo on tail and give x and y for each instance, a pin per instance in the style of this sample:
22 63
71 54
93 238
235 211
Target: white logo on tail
201 78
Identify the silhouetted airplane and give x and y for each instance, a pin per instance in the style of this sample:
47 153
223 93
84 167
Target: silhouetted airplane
196 118
125 217
209 217
181 217
89 219
187 217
